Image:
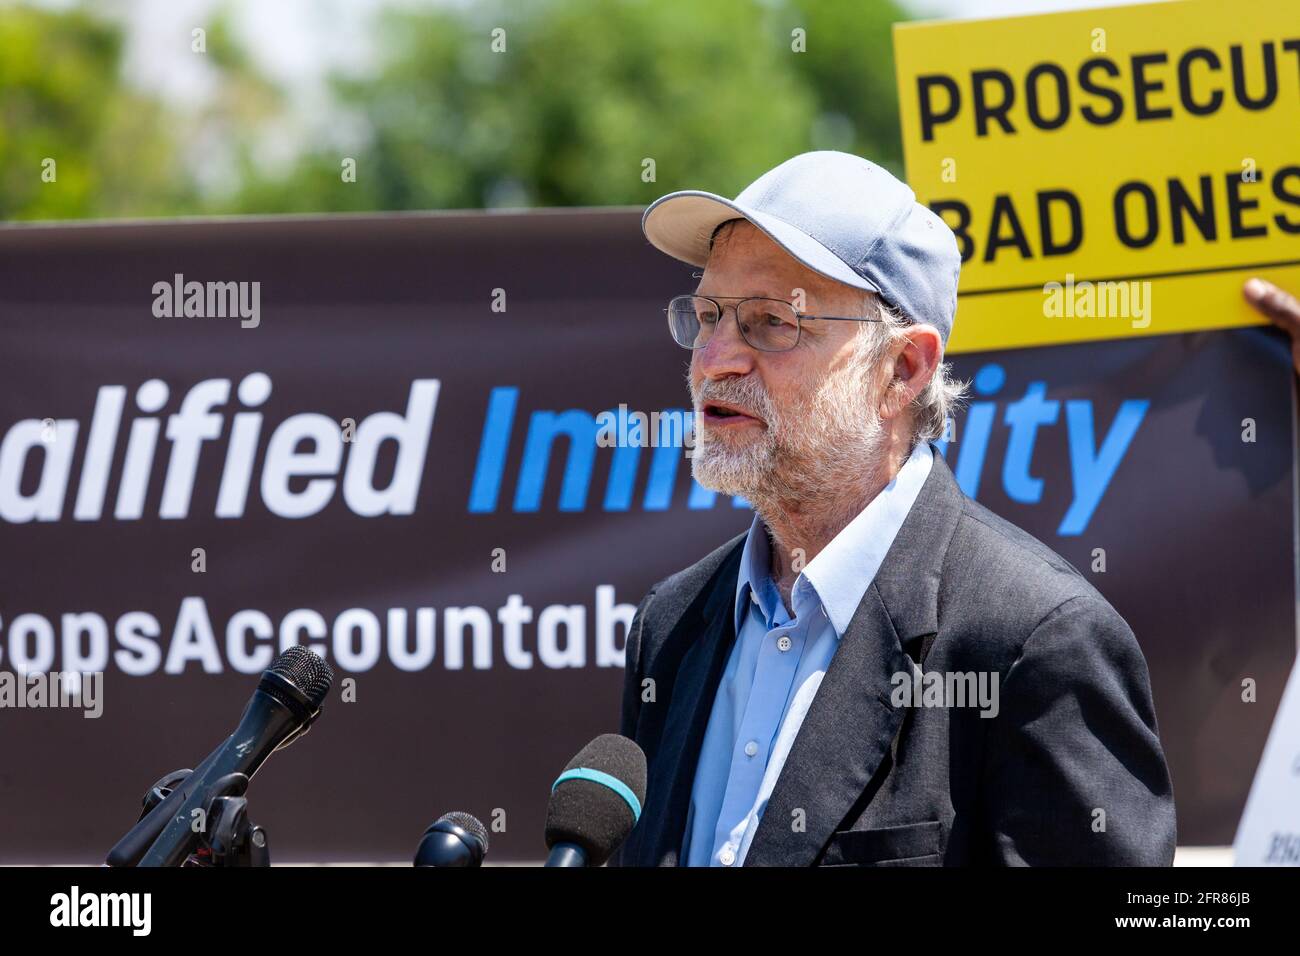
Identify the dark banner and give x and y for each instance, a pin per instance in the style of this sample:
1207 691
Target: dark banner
386 438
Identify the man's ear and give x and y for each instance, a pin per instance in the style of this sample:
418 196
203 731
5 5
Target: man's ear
915 363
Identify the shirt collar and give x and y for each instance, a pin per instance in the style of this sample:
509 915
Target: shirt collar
755 577
839 576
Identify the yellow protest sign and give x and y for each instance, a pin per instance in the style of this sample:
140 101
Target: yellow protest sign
1111 172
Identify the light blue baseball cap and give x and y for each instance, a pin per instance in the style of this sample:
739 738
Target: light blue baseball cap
839 215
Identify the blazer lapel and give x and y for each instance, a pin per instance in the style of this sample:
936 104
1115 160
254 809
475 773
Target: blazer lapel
840 745
852 722
672 774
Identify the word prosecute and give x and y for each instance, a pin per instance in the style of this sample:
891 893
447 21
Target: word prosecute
988 97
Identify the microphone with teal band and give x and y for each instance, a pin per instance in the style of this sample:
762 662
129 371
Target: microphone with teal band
595 802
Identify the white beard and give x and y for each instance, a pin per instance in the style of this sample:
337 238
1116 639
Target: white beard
827 443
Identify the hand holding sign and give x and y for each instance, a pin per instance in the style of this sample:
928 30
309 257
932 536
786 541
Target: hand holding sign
1278 306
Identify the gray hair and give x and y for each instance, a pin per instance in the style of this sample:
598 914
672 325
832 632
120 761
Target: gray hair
942 396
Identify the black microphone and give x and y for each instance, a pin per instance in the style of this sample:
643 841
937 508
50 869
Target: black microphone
595 802
457 839
128 850
286 703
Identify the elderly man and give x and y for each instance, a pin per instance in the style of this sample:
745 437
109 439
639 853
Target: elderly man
880 672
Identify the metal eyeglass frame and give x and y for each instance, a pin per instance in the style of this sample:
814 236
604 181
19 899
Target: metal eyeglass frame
741 300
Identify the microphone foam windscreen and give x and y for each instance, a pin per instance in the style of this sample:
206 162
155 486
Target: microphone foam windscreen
597 800
307 671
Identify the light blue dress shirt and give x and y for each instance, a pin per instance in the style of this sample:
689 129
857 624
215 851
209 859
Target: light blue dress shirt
777 664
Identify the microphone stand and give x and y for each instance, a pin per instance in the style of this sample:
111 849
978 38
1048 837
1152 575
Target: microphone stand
229 837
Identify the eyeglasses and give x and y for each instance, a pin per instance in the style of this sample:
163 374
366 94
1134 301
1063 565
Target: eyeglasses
769 325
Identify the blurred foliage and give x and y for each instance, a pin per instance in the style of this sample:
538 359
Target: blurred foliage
585 92
62 99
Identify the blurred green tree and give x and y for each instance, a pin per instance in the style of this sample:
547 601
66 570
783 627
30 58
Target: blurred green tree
490 104
567 102
75 141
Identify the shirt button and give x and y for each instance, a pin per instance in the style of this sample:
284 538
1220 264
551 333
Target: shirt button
751 748
727 856
783 643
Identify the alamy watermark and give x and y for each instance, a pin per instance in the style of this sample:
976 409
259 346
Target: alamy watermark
977 689
74 690
208 300
1098 300
622 428
133 911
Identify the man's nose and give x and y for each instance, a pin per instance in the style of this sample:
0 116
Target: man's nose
726 352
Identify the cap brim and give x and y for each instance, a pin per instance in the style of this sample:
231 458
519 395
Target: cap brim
682 224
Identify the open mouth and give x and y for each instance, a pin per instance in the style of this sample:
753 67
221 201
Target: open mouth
721 412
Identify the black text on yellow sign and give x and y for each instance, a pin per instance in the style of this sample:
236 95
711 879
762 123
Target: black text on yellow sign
1111 172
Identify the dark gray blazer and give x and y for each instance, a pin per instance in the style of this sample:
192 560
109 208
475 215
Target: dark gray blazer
1070 772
